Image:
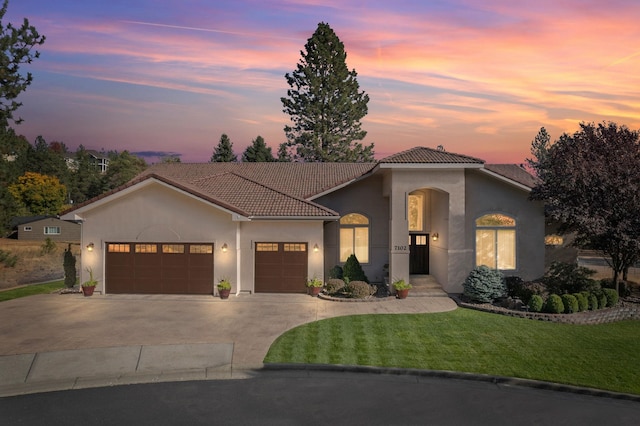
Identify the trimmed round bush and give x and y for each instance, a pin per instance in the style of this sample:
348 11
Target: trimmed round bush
583 302
593 302
484 285
334 285
360 289
570 303
535 303
602 300
612 296
554 304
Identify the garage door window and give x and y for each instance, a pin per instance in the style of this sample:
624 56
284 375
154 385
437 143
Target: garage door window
201 249
146 248
118 248
267 247
173 248
295 247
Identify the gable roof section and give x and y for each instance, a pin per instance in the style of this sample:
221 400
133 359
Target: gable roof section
514 173
424 155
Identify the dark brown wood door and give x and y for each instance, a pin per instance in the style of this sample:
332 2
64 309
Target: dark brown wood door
419 254
281 267
159 268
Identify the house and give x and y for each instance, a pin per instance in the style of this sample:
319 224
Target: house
97 159
39 228
179 228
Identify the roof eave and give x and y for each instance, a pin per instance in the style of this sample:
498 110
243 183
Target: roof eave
314 218
439 166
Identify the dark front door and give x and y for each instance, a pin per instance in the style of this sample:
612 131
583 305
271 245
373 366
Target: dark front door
419 254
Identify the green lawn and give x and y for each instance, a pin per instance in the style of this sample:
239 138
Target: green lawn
30 290
598 356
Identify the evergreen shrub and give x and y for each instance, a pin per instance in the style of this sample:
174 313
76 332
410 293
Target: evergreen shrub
612 297
360 289
535 303
484 284
593 302
353 270
583 302
69 265
569 278
602 299
336 272
570 303
334 285
554 304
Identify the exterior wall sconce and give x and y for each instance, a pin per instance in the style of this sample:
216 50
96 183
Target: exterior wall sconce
225 247
316 248
90 247
435 237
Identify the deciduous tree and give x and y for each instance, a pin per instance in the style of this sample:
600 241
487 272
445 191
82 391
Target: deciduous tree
123 167
257 152
325 103
592 187
223 153
39 194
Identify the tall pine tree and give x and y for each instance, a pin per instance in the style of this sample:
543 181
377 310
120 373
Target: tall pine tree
223 153
325 104
257 152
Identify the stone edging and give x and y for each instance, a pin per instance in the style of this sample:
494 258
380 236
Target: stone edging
623 311
345 299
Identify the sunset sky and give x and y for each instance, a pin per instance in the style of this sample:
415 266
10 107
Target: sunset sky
478 77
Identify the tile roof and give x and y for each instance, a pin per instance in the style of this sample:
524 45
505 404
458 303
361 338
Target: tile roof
424 155
514 173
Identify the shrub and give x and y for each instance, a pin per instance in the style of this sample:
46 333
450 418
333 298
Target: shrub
570 303
602 300
583 302
353 270
334 285
623 288
9 260
69 265
360 289
336 272
554 304
569 278
612 297
535 303
48 247
593 302
484 284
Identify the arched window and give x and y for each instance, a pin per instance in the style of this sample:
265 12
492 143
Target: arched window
496 241
354 237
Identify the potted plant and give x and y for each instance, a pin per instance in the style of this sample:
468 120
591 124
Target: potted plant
224 288
402 288
89 286
315 286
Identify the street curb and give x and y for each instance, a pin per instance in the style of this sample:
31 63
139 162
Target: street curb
443 374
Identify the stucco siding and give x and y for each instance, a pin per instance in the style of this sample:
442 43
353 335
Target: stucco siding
364 197
155 213
486 194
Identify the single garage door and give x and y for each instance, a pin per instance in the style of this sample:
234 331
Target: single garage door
281 267
154 268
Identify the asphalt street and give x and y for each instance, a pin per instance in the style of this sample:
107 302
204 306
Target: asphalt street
318 398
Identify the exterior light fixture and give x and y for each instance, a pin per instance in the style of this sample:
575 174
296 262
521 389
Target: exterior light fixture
90 247
435 237
316 248
225 247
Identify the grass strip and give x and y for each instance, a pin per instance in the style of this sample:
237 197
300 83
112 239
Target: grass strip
30 290
600 356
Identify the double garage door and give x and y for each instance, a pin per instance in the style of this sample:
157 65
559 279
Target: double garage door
155 268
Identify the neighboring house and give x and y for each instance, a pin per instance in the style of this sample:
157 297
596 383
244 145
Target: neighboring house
99 160
179 228
39 228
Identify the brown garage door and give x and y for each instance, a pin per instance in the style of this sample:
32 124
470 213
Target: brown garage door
154 268
281 267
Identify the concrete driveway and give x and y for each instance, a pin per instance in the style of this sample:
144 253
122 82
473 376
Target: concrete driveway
45 338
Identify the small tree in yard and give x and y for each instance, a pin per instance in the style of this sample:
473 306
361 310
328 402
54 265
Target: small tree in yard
69 264
484 285
353 270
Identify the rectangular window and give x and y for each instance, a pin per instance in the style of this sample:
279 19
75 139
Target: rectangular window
27 228
496 248
266 246
146 248
506 249
173 248
51 230
354 241
118 248
421 240
201 249
295 247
